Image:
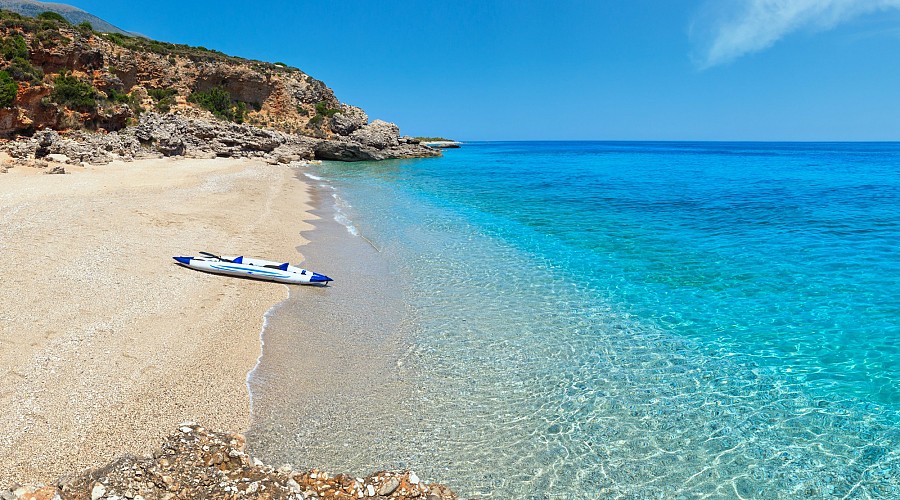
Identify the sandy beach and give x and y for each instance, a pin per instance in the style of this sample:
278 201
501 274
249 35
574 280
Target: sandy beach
105 344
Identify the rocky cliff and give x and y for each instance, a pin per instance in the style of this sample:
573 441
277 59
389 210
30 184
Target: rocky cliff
63 77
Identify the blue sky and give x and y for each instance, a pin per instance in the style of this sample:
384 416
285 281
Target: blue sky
566 69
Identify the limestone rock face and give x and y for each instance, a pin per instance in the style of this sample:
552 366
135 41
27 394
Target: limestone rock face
348 120
176 135
378 134
78 148
350 150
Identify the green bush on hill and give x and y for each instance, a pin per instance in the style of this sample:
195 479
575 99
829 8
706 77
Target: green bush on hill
50 38
24 71
118 96
8 89
141 44
13 47
218 101
165 98
15 20
322 111
15 51
73 93
85 27
52 16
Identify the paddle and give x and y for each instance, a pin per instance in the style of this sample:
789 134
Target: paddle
223 259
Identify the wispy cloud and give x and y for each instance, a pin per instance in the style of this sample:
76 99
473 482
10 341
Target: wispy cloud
729 29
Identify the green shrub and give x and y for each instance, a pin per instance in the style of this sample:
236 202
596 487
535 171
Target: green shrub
85 27
118 96
52 16
117 38
8 89
50 38
160 94
23 71
302 111
14 20
218 101
141 44
323 109
73 93
165 98
13 47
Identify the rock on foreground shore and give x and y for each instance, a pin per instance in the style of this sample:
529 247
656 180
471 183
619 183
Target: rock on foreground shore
197 463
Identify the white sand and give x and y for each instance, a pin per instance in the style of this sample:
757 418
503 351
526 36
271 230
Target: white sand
105 344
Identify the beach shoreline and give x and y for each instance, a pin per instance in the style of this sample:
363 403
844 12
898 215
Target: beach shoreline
107 344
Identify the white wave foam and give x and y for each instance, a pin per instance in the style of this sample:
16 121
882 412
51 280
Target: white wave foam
262 344
344 221
313 177
341 217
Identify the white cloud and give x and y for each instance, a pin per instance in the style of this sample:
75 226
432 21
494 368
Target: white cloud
731 29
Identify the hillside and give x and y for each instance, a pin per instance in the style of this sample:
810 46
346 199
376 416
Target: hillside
74 15
57 76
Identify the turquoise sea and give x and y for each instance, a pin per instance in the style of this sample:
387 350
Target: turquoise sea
600 319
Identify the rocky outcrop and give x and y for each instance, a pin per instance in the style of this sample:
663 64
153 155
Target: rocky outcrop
173 135
176 135
378 134
378 140
348 150
349 120
197 463
76 148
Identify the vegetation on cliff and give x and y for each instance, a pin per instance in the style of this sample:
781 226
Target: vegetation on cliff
72 77
220 103
73 93
8 89
65 77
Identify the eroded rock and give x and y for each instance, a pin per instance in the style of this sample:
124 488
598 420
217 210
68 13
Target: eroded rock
197 463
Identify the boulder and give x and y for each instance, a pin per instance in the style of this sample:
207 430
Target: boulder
348 120
378 134
345 151
47 143
349 150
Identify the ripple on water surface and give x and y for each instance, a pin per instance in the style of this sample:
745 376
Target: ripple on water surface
539 360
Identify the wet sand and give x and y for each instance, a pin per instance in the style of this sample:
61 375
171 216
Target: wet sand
105 344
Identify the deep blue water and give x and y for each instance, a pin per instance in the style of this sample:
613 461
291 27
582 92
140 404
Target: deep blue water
647 318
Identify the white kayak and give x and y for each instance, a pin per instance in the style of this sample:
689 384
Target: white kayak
246 267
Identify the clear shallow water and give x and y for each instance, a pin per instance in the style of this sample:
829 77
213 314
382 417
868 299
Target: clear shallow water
584 320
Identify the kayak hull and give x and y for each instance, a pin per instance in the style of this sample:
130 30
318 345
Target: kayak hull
245 267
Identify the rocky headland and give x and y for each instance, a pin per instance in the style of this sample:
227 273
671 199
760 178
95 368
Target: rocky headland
174 99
